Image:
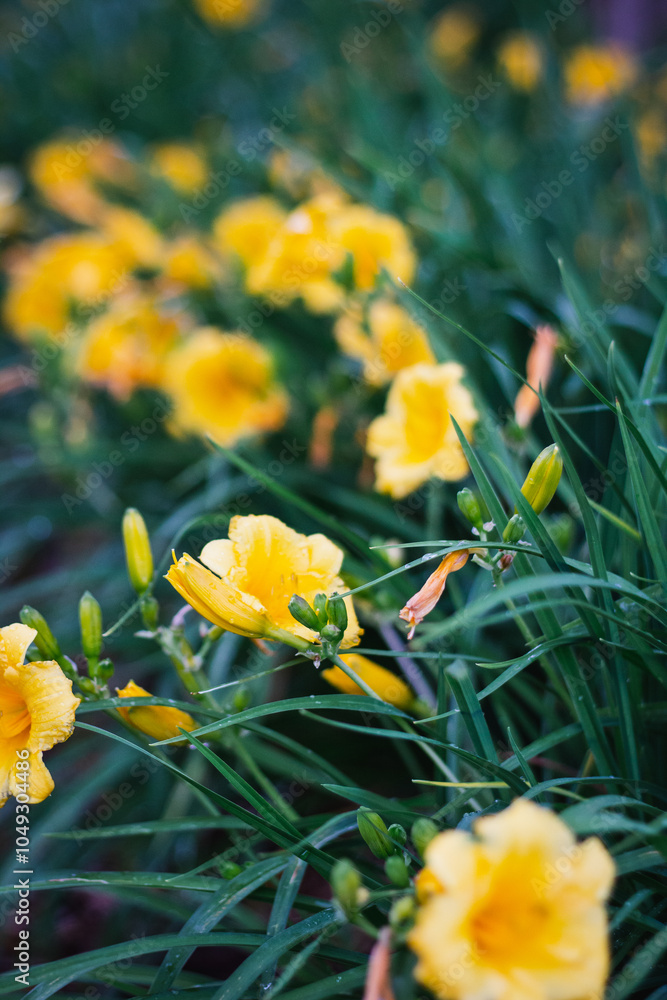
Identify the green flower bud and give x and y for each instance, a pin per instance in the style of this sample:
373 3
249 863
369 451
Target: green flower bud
150 611
104 670
320 605
514 529
337 612
397 871
542 481
90 619
331 633
346 882
422 833
241 700
402 911
470 508
44 640
300 609
228 869
398 835
138 555
374 831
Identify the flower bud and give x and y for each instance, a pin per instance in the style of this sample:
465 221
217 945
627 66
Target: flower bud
44 640
90 619
229 869
320 605
300 609
337 612
150 611
514 529
402 911
138 555
542 480
397 871
374 831
331 633
241 700
103 671
345 882
469 507
398 835
422 833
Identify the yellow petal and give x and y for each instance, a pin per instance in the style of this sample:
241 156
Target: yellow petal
159 721
14 642
390 687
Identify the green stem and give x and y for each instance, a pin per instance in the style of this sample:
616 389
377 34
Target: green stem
264 782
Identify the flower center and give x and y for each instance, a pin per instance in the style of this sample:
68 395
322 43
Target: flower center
14 714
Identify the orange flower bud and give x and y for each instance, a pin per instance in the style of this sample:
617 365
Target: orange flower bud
426 599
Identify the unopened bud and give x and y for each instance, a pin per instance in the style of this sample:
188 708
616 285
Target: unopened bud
469 507
44 640
337 612
542 480
229 869
90 619
422 833
300 609
346 883
374 831
241 700
514 530
320 605
397 871
398 835
138 555
402 911
331 633
103 670
150 611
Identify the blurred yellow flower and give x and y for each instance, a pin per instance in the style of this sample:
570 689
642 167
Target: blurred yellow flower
522 60
245 583
82 267
386 684
415 438
231 13
247 227
222 384
158 721
594 73
376 242
36 712
454 33
125 348
134 238
515 912
393 341
189 262
651 132
180 165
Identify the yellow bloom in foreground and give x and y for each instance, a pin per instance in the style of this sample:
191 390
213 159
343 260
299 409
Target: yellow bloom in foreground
247 227
455 32
394 341
595 73
222 384
415 438
231 13
36 711
390 687
515 912
180 165
244 583
376 242
158 721
521 59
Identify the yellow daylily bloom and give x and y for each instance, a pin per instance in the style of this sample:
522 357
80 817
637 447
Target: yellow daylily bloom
222 384
36 712
522 60
189 262
415 438
595 73
513 912
247 227
454 33
244 583
231 13
179 164
386 684
394 340
159 721
376 242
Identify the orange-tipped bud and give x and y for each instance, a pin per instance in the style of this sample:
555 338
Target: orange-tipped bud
539 366
426 599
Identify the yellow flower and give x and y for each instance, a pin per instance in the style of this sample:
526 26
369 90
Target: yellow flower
135 240
158 721
180 165
395 342
36 712
595 73
521 59
455 32
83 267
415 438
222 384
377 242
247 227
189 262
651 130
231 13
125 348
423 602
244 583
520 912
390 687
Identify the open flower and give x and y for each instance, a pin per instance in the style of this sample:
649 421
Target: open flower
522 60
244 583
158 721
222 384
426 599
231 13
386 684
415 438
515 912
247 227
376 242
36 711
180 165
394 340
594 74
